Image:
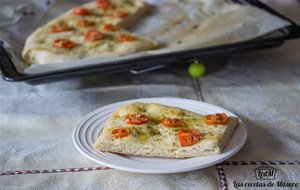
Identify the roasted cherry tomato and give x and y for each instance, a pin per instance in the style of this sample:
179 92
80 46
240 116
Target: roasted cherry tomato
120 132
109 28
119 14
172 122
104 4
63 43
93 35
126 38
81 11
216 119
60 28
189 137
136 119
85 23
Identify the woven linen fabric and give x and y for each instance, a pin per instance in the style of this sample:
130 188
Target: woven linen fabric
36 132
263 89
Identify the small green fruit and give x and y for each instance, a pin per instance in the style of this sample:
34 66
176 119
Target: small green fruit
196 69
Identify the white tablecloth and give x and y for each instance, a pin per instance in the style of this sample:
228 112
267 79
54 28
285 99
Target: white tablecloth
263 88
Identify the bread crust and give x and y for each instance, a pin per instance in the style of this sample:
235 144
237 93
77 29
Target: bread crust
215 138
38 47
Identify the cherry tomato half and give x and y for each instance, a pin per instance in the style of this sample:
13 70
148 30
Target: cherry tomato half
60 28
104 4
93 35
216 119
109 28
63 43
120 132
126 38
172 122
136 119
81 11
189 137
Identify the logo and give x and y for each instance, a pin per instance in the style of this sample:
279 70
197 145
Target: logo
265 178
265 173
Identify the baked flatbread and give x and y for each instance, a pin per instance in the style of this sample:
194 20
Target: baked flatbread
91 30
158 130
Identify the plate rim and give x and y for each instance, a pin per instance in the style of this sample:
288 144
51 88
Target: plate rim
78 126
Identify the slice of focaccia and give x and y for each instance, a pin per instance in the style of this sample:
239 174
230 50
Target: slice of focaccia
91 30
163 131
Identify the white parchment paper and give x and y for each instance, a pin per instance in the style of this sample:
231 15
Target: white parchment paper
176 25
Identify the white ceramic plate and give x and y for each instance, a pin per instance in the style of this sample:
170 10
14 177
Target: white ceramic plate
88 129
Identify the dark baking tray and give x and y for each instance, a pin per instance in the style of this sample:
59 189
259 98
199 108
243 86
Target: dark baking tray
276 38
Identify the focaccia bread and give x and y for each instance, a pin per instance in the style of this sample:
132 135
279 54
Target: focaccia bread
91 30
163 131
